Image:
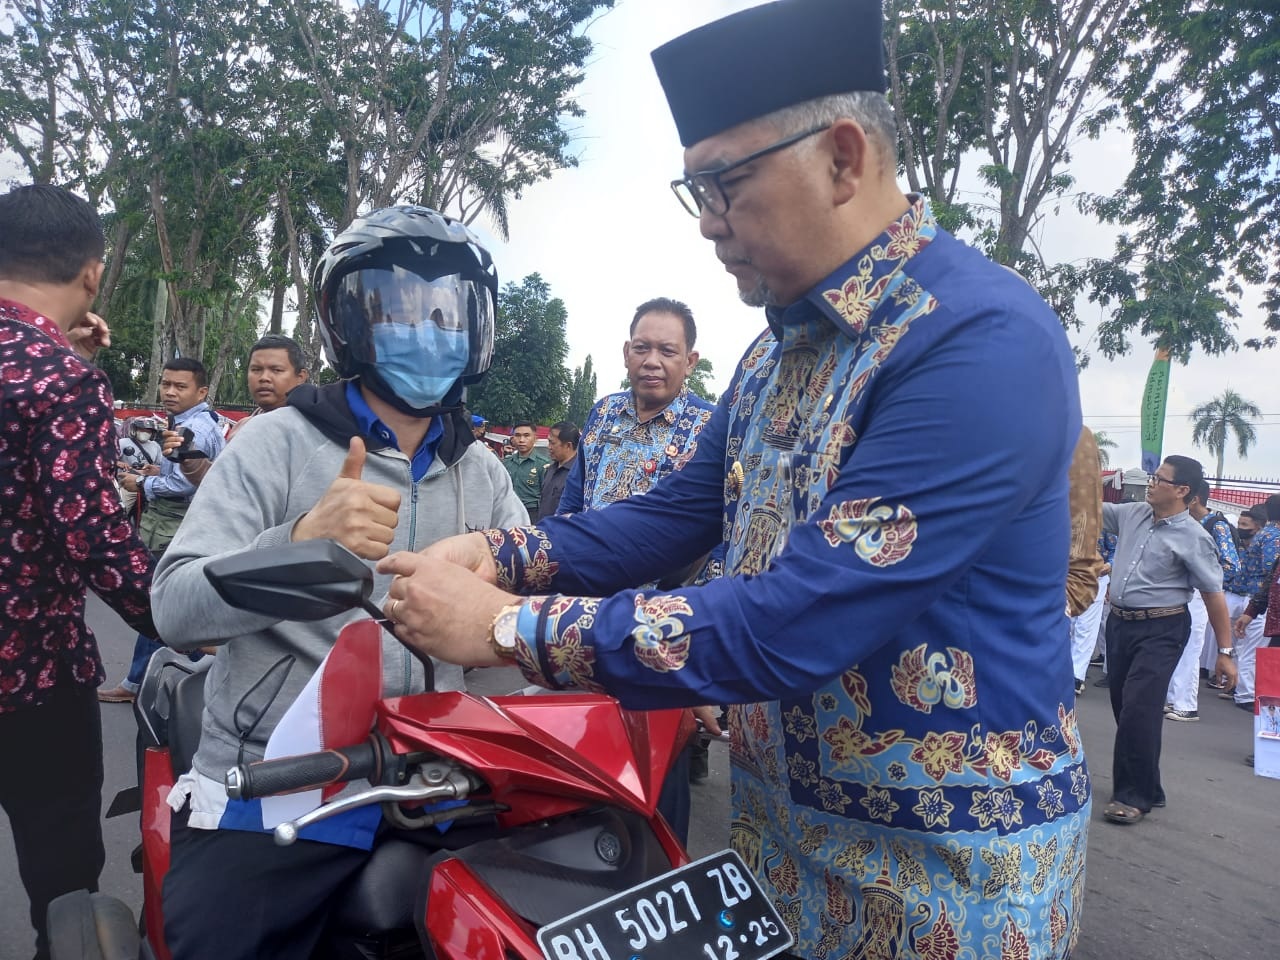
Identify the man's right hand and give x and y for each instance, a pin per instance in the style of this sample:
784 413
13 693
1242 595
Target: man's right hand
1242 622
470 550
171 440
361 516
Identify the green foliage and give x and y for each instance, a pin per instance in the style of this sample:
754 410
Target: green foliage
582 393
228 141
1217 420
528 380
1004 86
1201 206
698 380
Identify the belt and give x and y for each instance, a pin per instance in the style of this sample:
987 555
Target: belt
1148 613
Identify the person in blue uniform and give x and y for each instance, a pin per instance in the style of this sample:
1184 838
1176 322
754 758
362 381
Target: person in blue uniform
888 473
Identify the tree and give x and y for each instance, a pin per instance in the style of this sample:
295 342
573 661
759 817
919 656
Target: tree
1201 206
229 140
1222 416
698 377
582 393
1105 444
1008 85
528 380
454 104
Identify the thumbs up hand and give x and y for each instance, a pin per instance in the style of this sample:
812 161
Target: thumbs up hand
361 516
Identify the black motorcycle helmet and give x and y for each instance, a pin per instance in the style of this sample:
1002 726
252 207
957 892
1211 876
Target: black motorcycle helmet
384 254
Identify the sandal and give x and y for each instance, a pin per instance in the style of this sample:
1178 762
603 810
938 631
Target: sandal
1117 812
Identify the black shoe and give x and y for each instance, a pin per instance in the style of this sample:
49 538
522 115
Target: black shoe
1102 681
1079 687
1247 705
1096 661
1248 761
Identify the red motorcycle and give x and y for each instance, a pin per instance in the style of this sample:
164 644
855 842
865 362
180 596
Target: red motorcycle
554 848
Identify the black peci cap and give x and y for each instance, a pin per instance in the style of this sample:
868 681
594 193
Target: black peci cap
776 55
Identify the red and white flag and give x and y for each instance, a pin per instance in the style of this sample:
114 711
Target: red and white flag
334 709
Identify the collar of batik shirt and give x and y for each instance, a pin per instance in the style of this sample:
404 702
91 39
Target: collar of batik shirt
33 318
669 414
850 295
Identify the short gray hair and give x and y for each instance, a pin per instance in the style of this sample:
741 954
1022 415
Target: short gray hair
870 109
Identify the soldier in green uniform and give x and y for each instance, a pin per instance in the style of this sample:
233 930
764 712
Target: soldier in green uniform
526 465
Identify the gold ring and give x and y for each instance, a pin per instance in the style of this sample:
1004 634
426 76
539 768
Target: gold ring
391 611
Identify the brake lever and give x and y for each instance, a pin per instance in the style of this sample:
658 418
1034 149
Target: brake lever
454 786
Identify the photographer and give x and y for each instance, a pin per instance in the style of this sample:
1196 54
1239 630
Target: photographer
139 457
184 386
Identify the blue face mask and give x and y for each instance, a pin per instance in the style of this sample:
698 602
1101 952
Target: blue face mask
420 363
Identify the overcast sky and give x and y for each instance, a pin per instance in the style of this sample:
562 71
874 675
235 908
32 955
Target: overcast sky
609 235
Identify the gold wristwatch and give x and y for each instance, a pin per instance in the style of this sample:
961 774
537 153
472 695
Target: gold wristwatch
502 632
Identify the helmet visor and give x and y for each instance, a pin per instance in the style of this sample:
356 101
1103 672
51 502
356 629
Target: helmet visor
443 309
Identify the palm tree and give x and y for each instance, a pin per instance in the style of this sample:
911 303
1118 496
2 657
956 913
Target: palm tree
1221 416
1104 443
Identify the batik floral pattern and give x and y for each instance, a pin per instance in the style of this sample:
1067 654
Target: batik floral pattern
62 528
881 535
923 680
660 642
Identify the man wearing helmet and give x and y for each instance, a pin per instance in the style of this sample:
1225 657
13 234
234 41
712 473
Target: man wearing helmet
139 454
383 461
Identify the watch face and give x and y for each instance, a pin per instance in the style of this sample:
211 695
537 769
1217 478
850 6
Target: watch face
504 631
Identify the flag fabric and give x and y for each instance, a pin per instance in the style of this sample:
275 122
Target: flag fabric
1153 405
335 709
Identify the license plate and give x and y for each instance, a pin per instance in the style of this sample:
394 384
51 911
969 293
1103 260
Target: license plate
709 910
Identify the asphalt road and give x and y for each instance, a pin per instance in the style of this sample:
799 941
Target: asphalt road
1195 881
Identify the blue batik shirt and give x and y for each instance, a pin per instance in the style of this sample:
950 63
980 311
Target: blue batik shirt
622 456
1107 547
888 471
1220 529
1256 564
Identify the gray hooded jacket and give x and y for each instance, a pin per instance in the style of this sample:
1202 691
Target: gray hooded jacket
276 470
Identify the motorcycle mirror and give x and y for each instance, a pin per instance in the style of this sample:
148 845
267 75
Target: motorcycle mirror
310 580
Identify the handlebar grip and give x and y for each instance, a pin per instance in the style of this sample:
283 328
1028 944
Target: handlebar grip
305 771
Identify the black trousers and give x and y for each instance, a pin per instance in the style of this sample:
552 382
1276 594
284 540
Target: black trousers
51 790
1141 657
235 895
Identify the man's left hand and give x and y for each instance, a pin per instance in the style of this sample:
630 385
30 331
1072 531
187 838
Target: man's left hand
442 609
89 335
130 482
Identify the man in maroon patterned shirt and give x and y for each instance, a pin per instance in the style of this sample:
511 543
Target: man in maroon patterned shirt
62 532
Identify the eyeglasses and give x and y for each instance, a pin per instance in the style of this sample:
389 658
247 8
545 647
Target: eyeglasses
1154 480
704 189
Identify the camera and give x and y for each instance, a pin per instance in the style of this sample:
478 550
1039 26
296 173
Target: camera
184 450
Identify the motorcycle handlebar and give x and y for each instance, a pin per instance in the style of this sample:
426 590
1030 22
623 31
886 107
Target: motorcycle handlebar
306 771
